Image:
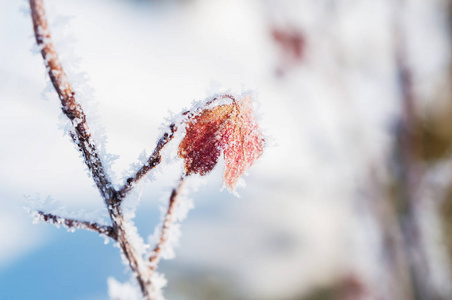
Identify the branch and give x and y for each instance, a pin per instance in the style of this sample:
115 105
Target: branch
221 97
71 108
151 163
82 138
167 223
136 261
409 158
76 224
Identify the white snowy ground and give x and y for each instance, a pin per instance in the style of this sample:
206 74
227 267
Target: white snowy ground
298 222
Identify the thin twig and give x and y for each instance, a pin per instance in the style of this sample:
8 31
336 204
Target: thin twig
221 97
167 223
76 224
191 113
150 164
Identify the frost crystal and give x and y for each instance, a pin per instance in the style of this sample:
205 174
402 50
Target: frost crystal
174 234
122 291
159 281
134 238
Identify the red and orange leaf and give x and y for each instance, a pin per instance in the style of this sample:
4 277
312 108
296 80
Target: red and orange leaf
242 142
200 147
231 128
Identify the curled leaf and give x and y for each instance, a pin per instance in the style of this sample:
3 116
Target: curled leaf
231 128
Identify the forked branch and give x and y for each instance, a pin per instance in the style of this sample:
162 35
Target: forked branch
82 138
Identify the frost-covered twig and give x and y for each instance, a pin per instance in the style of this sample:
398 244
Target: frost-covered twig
166 226
150 164
75 224
71 108
136 261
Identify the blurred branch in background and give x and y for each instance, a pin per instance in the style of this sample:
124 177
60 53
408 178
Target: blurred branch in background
410 175
408 171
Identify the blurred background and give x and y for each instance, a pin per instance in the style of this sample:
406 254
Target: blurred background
352 198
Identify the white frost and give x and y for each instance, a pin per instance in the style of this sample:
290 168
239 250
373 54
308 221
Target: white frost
174 234
122 291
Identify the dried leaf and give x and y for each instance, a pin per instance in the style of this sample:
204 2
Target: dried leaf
242 142
200 147
231 128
